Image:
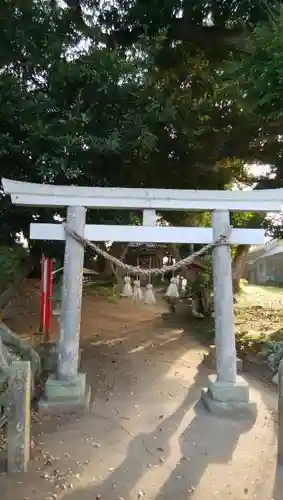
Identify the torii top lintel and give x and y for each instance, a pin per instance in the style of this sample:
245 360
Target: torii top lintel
25 193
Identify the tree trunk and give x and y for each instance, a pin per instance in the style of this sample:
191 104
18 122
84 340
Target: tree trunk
176 254
105 266
118 250
238 266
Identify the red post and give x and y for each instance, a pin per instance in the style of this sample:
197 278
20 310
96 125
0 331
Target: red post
45 296
42 304
48 299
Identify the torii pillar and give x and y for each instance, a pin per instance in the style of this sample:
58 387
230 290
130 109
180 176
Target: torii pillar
227 392
67 390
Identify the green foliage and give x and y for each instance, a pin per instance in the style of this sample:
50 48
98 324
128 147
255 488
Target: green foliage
259 74
253 81
203 279
133 111
273 352
11 261
213 26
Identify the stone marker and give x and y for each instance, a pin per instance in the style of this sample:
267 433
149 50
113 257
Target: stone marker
18 412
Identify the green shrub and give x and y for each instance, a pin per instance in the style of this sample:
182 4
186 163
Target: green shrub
11 260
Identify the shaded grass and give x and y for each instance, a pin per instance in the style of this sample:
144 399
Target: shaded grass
258 321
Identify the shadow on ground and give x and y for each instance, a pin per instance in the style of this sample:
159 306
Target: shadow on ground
200 444
146 375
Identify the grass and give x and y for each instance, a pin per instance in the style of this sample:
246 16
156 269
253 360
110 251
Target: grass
256 326
258 320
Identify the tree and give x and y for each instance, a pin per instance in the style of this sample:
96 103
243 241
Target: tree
212 26
254 82
140 108
149 130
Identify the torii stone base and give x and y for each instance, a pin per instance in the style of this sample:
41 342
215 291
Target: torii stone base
226 399
72 396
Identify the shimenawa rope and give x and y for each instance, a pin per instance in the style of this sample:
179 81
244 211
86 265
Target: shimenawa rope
222 240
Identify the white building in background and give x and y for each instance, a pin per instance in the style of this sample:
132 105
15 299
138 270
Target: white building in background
265 264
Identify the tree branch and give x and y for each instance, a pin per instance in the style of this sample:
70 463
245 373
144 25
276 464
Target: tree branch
77 17
181 30
178 29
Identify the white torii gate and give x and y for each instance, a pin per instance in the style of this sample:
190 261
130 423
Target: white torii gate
226 392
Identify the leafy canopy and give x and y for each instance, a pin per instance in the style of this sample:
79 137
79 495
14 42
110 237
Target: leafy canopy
122 94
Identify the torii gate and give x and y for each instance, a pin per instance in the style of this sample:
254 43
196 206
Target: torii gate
226 391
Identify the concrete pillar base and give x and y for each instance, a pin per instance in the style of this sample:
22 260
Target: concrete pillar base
226 399
65 396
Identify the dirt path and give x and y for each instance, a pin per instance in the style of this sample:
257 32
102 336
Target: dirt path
146 435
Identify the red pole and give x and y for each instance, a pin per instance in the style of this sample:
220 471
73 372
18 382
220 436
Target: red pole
41 319
44 293
48 298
